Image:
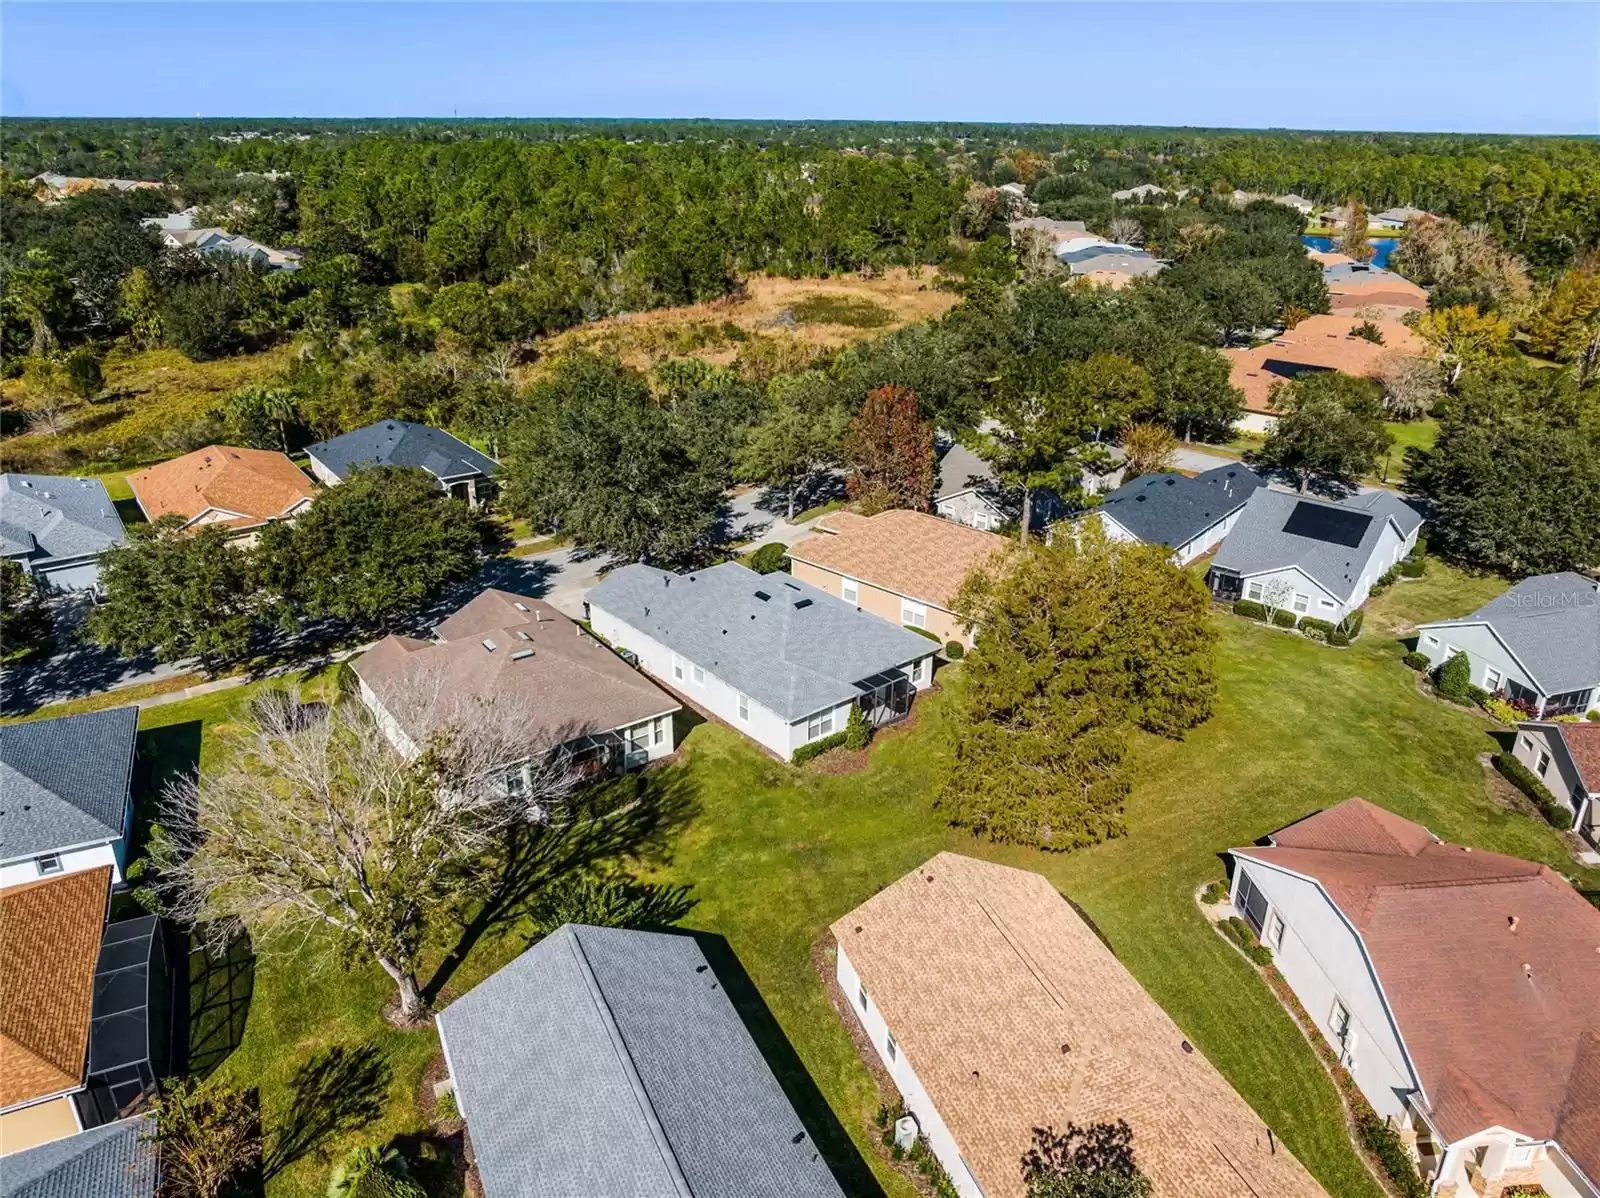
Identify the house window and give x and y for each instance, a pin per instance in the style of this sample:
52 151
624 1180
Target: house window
1326 603
1302 602
820 725
916 670
639 739
661 729
980 520
913 614
850 590
677 667
1339 1021
1274 936
1492 678
744 708
1253 591
861 996
891 1046
50 863
698 674
1544 762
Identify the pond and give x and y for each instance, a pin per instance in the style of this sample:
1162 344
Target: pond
1382 246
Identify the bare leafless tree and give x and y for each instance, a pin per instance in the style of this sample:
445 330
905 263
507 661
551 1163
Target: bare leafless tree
49 419
1275 597
1412 384
500 361
318 822
1126 231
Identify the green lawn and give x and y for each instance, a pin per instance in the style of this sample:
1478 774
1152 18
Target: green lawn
772 855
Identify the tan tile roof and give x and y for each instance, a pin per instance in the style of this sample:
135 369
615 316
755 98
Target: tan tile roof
1014 1016
1459 976
923 557
571 684
256 483
49 945
1318 341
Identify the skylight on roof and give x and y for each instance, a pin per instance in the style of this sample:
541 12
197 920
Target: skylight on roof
523 636
488 643
521 653
763 596
520 606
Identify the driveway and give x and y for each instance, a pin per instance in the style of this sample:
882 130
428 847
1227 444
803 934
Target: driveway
1189 458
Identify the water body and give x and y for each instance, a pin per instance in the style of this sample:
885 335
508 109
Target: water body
1382 247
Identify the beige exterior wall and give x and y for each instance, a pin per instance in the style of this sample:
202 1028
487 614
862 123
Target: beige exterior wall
37 1124
880 602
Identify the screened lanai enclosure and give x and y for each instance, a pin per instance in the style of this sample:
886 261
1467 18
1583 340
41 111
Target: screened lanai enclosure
130 1028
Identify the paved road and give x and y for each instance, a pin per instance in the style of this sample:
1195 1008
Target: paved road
1189 458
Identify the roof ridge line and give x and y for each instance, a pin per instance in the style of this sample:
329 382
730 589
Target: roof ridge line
619 1044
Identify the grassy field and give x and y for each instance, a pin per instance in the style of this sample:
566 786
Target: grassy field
771 855
148 398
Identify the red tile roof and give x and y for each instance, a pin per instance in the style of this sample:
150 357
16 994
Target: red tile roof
1583 743
1320 342
1491 966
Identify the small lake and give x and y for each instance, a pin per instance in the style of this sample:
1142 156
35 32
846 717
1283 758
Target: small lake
1382 247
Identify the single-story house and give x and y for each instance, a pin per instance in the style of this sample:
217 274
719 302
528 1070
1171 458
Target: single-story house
997 1010
1315 557
569 690
224 484
49 944
611 1062
56 528
1143 192
220 241
1566 758
967 491
175 221
1397 218
1107 262
1317 343
1188 515
116 1160
461 470
904 566
1359 286
67 788
1299 203
1457 986
774 657
1059 232
1538 643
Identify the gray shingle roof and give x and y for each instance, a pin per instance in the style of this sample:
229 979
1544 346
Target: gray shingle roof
402 443
65 781
1552 623
1265 539
962 470
50 516
114 1160
795 652
611 1062
1170 509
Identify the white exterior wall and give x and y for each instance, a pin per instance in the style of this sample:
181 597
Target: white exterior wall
1256 422
1115 531
65 574
1322 959
1482 648
322 473
971 509
1205 541
905 1079
1560 776
1298 583
15 873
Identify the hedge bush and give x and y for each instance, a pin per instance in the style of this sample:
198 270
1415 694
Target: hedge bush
1503 711
770 559
1244 936
816 748
922 632
1478 695
857 732
1284 618
1214 893
1249 609
1454 679
1413 567
1417 661
1352 623
1315 628
1385 1144
1520 776
1385 580
954 650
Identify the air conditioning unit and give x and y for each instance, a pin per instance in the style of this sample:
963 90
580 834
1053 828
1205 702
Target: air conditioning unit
905 1132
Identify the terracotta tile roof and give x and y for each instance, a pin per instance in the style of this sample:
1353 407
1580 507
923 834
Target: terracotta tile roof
49 944
571 683
1318 342
1583 744
1015 1016
1376 297
923 557
1469 945
258 484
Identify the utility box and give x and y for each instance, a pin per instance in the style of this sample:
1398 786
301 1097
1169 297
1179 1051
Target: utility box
905 1132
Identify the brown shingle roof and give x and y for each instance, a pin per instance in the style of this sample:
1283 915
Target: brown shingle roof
1499 1017
1015 1016
258 484
1583 744
571 684
1320 342
923 557
49 945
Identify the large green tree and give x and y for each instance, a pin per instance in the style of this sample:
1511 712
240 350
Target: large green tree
799 435
179 594
1329 425
598 459
380 545
1079 642
1038 440
26 625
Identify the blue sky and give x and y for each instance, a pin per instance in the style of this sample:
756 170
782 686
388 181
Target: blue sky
1471 67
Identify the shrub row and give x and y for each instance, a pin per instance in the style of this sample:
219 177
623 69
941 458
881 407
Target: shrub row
1340 634
1244 936
1214 893
1520 776
1417 661
922 632
816 748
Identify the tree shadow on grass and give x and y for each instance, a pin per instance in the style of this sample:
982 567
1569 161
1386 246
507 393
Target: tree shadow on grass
218 1005
338 1090
823 1126
633 816
437 1163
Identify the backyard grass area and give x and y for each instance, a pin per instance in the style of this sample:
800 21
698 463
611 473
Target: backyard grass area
771 855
